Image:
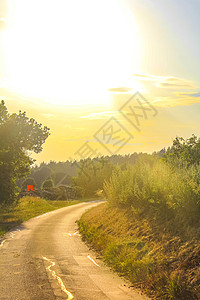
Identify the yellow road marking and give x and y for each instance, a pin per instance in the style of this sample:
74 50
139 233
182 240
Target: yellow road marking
53 273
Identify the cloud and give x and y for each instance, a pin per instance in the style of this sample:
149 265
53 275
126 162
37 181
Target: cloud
176 83
120 90
169 82
100 115
146 77
175 100
195 95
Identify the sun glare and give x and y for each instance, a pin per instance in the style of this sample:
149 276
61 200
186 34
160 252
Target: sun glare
70 52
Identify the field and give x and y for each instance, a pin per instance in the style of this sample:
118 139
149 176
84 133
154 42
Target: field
29 207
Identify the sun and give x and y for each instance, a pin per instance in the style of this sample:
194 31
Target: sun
70 52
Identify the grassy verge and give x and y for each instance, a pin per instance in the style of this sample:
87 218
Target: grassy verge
29 207
156 255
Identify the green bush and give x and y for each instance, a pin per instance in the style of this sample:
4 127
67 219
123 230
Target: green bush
47 184
156 187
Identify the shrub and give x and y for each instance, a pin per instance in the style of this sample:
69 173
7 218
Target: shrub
156 187
47 184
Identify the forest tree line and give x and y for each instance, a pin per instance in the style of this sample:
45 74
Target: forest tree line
20 135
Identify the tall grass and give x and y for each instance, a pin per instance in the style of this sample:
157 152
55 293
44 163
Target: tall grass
149 231
155 186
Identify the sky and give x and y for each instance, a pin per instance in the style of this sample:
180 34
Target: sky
107 77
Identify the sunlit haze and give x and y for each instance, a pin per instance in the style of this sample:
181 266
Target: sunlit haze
71 65
70 51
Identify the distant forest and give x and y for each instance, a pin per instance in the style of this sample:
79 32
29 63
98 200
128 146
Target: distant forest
88 176
63 172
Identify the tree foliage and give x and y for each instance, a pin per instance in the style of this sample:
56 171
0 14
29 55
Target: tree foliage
62 172
19 136
41 175
91 175
184 151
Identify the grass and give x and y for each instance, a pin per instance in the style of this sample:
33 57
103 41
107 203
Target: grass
156 187
157 256
159 249
29 207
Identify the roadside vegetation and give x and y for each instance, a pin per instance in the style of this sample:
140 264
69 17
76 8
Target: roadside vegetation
29 207
19 136
149 229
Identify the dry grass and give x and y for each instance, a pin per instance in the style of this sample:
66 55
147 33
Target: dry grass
156 255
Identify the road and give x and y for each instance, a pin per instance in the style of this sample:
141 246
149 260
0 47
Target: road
45 258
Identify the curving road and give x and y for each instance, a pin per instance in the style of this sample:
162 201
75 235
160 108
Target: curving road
45 258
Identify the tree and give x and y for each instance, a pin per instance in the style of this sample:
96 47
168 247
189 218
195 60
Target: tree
19 136
91 175
41 175
183 151
47 184
61 178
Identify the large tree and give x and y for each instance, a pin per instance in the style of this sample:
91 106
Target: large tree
19 136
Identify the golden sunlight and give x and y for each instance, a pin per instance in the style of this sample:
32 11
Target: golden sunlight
70 52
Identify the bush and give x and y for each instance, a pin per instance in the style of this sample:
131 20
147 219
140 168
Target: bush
47 184
156 187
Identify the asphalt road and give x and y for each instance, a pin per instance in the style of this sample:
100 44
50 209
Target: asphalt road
45 258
